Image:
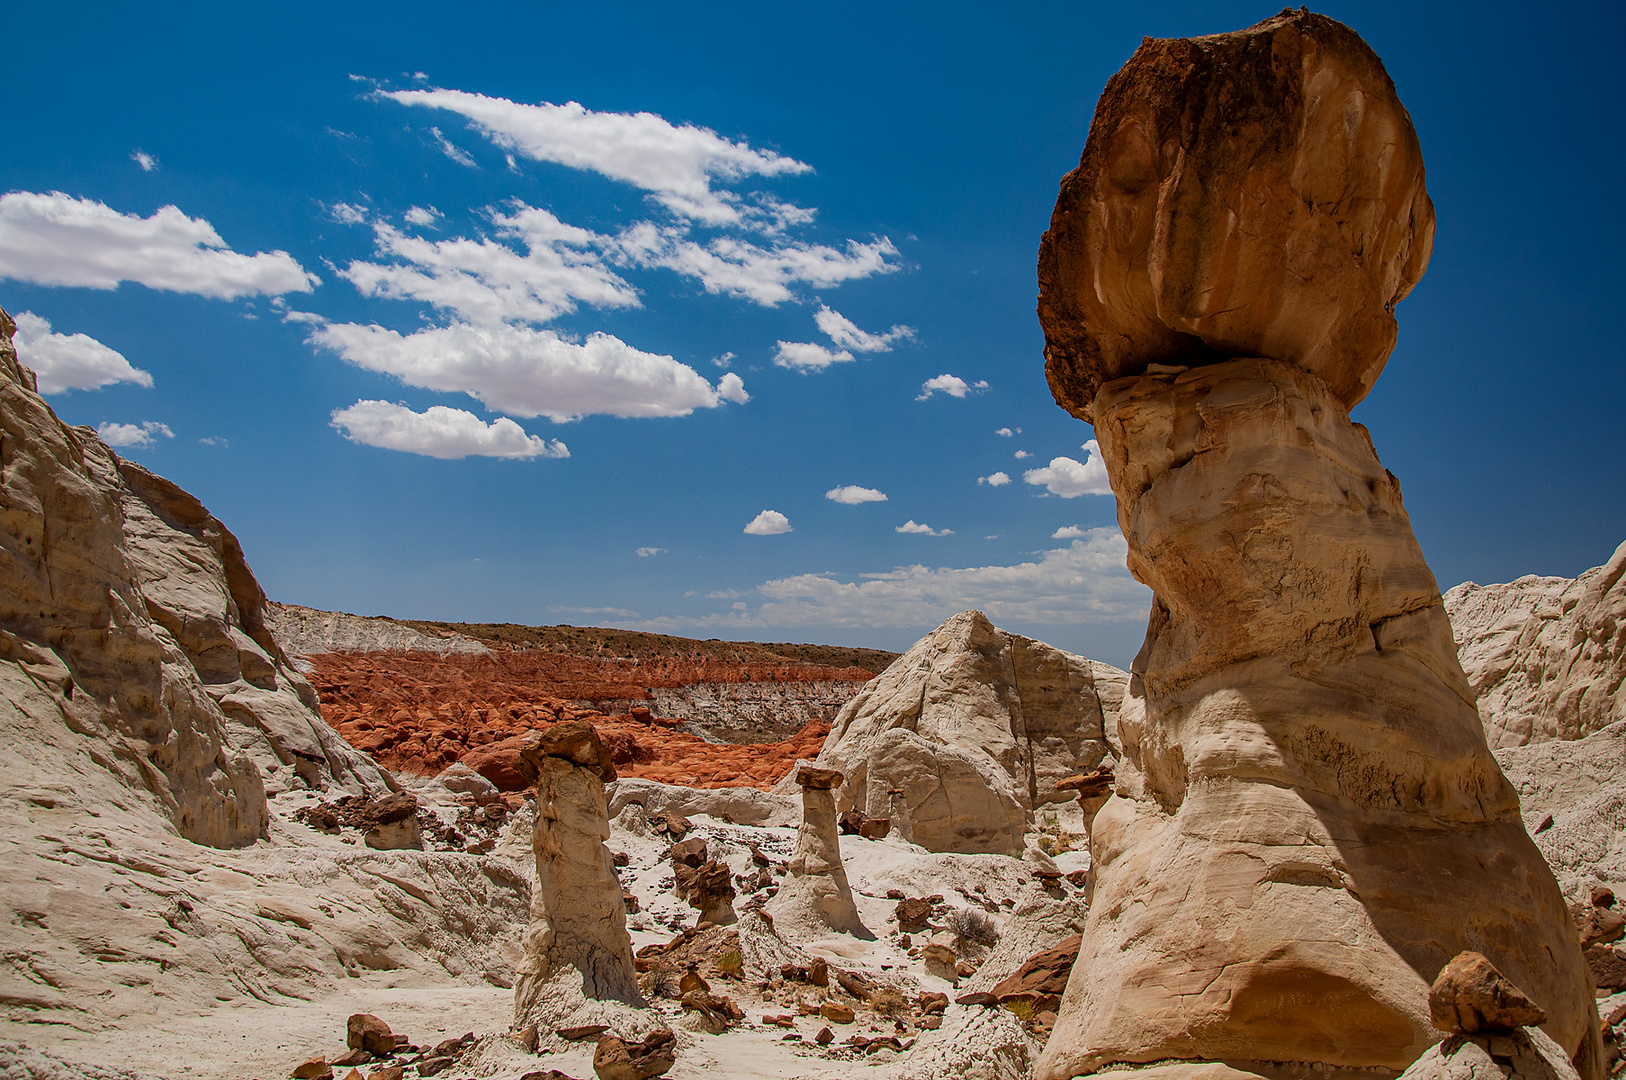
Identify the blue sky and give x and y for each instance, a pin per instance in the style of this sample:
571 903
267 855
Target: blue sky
733 259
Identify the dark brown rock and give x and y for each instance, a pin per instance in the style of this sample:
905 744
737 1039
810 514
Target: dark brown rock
617 1059
875 828
364 1031
912 914
316 1068
977 998
1608 967
1470 996
810 776
583 1031
690 852
1042 976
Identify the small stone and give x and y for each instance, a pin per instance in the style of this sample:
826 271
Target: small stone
912 914
692 982
836 1013
965 969
1470 996
583 1031
353 1057
528 1038
825 1036
977 998
933 1003
364 1031
818 972
429 1066
930 1023
316 1068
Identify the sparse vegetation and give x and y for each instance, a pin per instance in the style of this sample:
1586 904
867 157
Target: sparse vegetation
971 925
1021 1007
730 964
889 1001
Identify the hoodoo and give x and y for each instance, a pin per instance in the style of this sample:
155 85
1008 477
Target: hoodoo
1307 824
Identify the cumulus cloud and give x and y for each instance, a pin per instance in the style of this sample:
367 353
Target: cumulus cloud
646 552
913 526
732 388
1083 582
1006 432
768 523
1069 478
675 164
998 479
841 330
852 495
422 215
147 162
1067 532
440 432
1022 455
71 361
140 435
527 373
806 356
484 281
729 266
952 385
56 239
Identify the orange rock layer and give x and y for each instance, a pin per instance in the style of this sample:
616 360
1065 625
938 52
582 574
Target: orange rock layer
418 713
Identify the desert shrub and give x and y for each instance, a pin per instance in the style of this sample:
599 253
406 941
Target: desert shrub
1022 1007
889 1001
730 963
1048 845
969 924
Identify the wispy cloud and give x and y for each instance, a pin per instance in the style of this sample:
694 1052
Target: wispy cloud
140 436
677 164
1069 478
71 361
729 266
807 356
647 552
952 385
841 330
147 162
528 373
852 495
422 216
440 432
913 526
56 239
1084 582
768 523
456 153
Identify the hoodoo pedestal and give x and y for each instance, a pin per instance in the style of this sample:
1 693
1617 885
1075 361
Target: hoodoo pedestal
1307 824
814 897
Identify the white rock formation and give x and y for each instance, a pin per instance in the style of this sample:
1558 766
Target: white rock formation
814 897
307 631
974 726
741 805
1572 795
1545 656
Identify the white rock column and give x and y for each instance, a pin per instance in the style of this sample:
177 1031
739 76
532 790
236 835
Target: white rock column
814 897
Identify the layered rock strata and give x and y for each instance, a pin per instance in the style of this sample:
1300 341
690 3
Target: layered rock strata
814 896
578 921
963 736
1307 823
1545 656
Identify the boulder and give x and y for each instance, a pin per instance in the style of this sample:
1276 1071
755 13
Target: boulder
964 735
1306 822
464 780
1470 997
1257 193
617 1059
364 1031
1544 656
1523 1054
1042 976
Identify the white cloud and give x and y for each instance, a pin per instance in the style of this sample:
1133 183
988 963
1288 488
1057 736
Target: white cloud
484 281
724 360
71 361
646 552
422 215
913 526
527 373
308 317
147 162
732 388
1022 455
214 440
997 479
1069 478
852 495
1067 532
456 153
729 266
138 435
952 385
440 432
348 213
1084 582
768 523
846 334
55 239
1005 432
675 164
806 356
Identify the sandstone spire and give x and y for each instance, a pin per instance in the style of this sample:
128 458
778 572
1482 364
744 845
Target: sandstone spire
814 896
1307 823
577 917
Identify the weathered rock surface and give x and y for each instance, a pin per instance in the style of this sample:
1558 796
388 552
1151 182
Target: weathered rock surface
814 896
1470 997
578 922
305 632
1525 1054
1307 823
1545 656
973 727
1258 193
1573 799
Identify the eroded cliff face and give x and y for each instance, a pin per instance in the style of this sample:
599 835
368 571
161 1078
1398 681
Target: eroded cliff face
1307 822
1545 656
966 734
133 607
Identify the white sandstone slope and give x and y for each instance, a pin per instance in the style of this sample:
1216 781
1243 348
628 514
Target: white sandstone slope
972 727
1546 656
